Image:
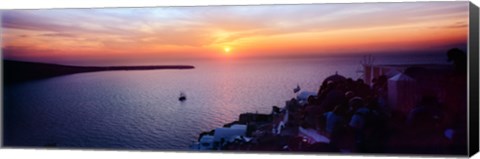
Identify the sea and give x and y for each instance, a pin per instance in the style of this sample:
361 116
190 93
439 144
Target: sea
140 110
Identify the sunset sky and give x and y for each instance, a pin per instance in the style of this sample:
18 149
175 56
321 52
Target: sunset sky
116 36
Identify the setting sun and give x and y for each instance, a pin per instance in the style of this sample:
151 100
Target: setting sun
227 49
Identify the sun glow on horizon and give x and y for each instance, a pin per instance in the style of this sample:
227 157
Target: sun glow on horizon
227 50
101 36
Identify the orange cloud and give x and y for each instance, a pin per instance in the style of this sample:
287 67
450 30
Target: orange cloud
83 35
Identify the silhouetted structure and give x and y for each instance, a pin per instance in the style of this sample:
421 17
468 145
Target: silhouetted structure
459 59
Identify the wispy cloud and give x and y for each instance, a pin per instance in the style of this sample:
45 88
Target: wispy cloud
187 29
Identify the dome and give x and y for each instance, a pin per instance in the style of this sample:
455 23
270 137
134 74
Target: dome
335 78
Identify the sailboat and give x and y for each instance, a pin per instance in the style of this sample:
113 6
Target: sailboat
182 97
295 90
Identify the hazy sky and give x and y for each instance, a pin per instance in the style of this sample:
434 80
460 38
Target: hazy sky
147 35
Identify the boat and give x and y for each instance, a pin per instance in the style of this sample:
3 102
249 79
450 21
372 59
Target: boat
182 97
295 90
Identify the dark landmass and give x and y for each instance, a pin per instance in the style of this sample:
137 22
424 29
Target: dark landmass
18 71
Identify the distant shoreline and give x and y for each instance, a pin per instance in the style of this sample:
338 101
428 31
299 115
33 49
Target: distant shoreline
19 71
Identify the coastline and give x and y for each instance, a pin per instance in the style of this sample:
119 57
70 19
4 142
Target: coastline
19 71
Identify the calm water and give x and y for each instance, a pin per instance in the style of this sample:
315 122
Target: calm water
140 109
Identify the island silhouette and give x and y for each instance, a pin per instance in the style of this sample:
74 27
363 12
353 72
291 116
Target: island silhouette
21 71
